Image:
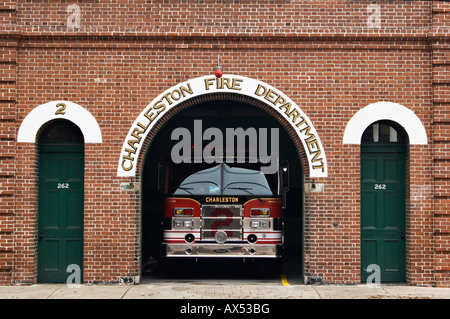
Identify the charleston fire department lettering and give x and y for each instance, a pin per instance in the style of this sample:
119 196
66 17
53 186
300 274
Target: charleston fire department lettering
149 116
233 84
299 121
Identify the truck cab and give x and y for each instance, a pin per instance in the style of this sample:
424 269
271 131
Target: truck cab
223 210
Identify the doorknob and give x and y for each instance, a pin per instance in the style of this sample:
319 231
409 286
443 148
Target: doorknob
402 234
41 235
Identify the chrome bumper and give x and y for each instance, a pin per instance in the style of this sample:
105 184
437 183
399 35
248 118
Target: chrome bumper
222 250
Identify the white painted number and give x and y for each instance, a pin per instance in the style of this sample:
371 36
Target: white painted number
63 185
380 186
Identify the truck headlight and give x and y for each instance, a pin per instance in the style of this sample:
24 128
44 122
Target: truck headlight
262 223
255 224
183 223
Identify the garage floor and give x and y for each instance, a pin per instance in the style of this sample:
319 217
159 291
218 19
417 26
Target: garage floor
286 272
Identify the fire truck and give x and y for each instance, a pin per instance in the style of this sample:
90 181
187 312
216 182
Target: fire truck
223 210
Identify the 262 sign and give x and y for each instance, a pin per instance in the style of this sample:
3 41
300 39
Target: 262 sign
379 186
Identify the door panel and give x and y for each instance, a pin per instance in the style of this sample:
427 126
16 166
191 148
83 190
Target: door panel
383 212
61 201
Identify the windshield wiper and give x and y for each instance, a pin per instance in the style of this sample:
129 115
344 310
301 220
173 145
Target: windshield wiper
187 189
247 189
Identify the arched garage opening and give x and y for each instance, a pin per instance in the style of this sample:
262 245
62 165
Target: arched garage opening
219 111
139 143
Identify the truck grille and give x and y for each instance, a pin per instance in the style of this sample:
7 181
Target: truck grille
227 218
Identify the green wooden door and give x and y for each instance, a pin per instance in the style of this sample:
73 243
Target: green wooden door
61 202
383 210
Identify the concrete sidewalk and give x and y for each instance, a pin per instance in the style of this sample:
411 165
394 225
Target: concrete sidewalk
220 290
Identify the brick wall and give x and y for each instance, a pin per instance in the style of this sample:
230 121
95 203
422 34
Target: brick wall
320 53
214 15
8 51
441 139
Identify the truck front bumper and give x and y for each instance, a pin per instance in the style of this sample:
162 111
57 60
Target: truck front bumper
222 250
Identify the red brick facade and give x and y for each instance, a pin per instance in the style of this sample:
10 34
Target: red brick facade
330 57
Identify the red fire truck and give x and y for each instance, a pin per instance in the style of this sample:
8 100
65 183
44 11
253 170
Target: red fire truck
223 210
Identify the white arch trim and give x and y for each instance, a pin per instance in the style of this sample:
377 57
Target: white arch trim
385 111
259 90
59 110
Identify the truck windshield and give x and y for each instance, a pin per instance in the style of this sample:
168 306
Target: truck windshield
225 180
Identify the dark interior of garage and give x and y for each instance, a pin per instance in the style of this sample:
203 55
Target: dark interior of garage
221 114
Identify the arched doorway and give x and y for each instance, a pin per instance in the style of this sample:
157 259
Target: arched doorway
61 200
384 149
219 112
276 105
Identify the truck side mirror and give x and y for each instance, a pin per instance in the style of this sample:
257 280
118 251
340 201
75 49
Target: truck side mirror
285 176
284 181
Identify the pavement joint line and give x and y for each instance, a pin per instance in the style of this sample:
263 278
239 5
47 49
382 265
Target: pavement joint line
386 291
320 297
129 288
53 292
